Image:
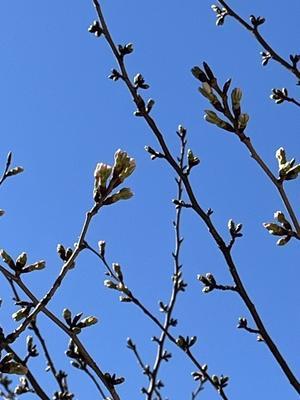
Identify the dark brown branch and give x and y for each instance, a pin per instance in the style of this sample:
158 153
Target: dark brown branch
197 208
254 30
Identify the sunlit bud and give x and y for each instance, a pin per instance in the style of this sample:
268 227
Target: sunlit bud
243 120
211 116
34 267
15 171
275 229
7 259
181 130
121 162
215 379
125 299
102 173
280 217
110 284
192 159
21 260
123 194
206 88
236 96
101 246
210 278
20 314
128 170
282 241
88 321
293 172
67 315
280 155
13 367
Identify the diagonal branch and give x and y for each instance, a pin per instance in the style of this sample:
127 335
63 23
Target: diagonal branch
254 30
196 206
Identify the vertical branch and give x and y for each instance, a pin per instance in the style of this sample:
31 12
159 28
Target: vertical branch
176 275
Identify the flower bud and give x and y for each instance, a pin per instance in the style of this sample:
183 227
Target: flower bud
243 121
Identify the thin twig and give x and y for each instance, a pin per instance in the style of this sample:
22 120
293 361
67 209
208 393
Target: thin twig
95 382
254 30
153 318
175 290
196 206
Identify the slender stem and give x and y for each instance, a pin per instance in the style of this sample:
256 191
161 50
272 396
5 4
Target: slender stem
196 206
47 355
261 40
95 382
156 321
175 290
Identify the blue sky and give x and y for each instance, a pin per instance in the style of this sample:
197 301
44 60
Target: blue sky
60 115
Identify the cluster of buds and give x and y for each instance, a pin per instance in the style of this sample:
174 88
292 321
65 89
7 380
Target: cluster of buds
23 387
295 58
279 95
65 254
126 49
31 347
153 153
208 281
76 323
283 228
265 57
95 29
220 14
114 75
178 281
220 381
139 82
200 375
74 353
9 366
256 21
109 177
20 266
234 229
23 312
117 283
287 169
211 91
186 343
192 160
113 380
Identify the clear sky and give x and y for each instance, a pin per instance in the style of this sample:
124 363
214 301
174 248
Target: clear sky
60 115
